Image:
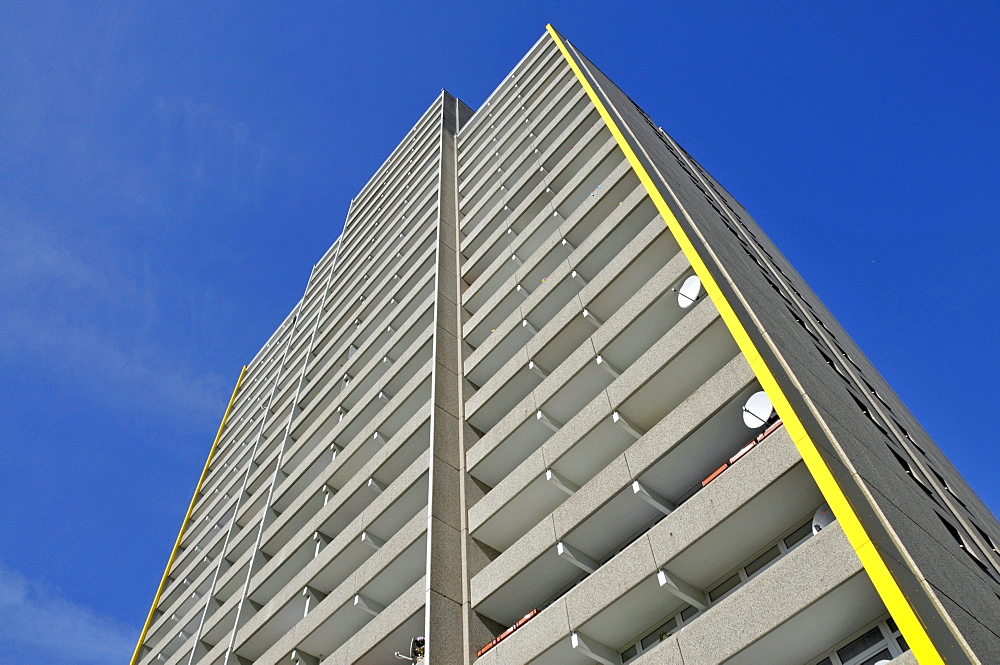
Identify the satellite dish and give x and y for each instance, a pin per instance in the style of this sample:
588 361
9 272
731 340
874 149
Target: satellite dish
689 292
758 410
822 518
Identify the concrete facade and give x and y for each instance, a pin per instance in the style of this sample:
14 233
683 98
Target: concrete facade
523 389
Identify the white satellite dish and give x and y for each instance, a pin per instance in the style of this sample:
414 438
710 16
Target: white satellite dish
689 292
822 518
757 411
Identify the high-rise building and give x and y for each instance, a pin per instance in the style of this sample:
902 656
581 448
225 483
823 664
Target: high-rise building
553 397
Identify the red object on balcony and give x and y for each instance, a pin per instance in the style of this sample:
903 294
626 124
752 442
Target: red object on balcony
766 433
743 451
507 633
715 474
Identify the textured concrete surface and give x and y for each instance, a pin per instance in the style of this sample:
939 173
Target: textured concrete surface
430 230
768 295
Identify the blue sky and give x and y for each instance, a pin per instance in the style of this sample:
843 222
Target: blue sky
169 172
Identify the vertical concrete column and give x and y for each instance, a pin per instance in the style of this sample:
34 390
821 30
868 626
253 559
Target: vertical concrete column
447 617
445 584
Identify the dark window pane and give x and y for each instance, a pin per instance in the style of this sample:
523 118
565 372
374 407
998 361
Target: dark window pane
629 654
761 561
660 634
858 646
797 536
725 586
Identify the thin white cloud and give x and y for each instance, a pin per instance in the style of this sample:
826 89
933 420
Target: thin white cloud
93 320
207 153
114 374
31 255
39 625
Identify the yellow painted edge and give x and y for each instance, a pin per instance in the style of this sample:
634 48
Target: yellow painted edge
187 517
909 624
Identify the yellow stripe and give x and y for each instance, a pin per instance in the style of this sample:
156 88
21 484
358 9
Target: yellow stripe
909 624
187 517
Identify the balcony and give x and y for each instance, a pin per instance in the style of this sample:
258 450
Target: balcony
560 300
603 614
607 512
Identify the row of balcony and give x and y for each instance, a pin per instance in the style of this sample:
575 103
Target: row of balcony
516 194
511 134
625 501
523 80
349 347
261 474
289 360
737 548
270 432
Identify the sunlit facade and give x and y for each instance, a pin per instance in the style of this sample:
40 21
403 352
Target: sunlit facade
554 398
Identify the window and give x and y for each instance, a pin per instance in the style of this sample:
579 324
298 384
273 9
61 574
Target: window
760 562
987 539
864 409
860 645
909 472
726 586
719 591
797 536
878 642
973 554
944 483
660 634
